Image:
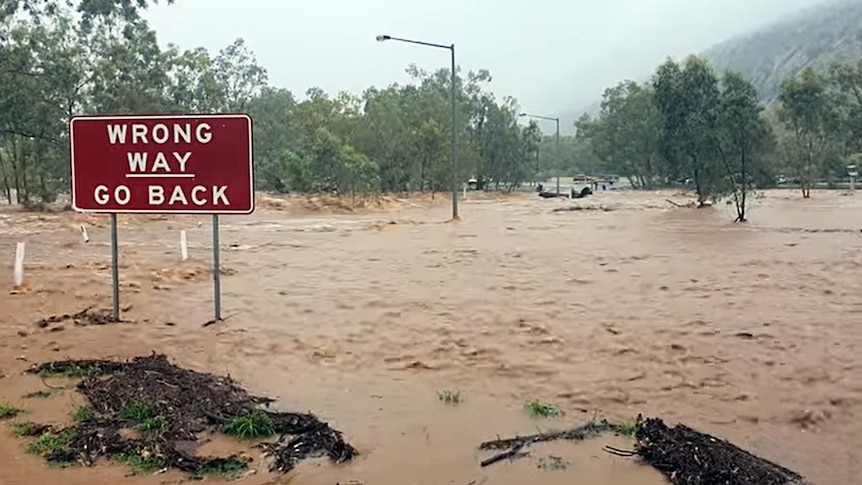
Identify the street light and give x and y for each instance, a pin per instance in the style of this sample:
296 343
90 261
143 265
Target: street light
558 137
451 48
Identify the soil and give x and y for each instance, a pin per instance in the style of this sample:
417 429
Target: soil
149 409
689 457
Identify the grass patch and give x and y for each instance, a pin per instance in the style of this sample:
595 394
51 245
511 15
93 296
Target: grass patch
82 413
72 372
450 397
43 394
627 428
139 464
7 411
151 425
225 468
553 463
51 442
251 425
541 410
27 428
138 411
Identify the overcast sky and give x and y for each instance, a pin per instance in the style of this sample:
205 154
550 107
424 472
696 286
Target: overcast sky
554 56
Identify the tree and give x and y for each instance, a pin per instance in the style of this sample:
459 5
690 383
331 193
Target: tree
240 76
745 137
63 58
808 111
687 98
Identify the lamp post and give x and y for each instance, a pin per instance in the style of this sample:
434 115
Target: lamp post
452 88
548 118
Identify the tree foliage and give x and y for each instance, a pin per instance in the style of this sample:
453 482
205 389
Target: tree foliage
61 58
693 127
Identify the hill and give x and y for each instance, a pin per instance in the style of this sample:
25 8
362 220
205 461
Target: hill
815 37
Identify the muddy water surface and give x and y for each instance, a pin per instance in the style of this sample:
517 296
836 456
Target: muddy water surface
749 331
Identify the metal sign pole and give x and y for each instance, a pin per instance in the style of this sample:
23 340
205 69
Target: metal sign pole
216 269
115 272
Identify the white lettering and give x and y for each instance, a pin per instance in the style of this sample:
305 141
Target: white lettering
204 137
139 132
160 133
198 188
137 162
179 132
218 193
165 134
101 195
117 134
182 159
198 195
157 194
160 163
178 196
122 194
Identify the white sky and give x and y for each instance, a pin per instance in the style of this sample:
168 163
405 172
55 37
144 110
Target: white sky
554 56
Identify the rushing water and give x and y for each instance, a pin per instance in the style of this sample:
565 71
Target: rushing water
750 332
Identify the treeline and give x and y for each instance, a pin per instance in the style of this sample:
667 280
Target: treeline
58 61
708 131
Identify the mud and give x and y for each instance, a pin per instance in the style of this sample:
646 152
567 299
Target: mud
165 407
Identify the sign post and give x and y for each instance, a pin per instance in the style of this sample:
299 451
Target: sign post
171 164
115 272
216 269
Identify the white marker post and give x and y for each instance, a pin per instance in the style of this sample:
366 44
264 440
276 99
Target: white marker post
18 270
84 234
184 245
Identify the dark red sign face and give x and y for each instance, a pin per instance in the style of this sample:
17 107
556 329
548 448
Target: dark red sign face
162 164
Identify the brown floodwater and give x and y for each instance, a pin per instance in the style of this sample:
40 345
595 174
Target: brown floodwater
750 332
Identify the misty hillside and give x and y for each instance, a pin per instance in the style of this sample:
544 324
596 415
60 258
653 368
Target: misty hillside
816 38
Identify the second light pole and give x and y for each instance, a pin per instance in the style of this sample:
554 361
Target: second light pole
558 138
452 89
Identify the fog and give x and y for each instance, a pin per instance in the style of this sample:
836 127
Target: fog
555 56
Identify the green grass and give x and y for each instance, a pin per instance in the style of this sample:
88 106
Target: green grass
139 411
151 425
25 428
553 463
450 397
82 413
139 464
50 442
541 410
225 468
43 394
251 425
72 372
627 428
7 411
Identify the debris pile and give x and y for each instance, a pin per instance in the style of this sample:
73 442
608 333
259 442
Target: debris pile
688 457
149 411
85 317
683 455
